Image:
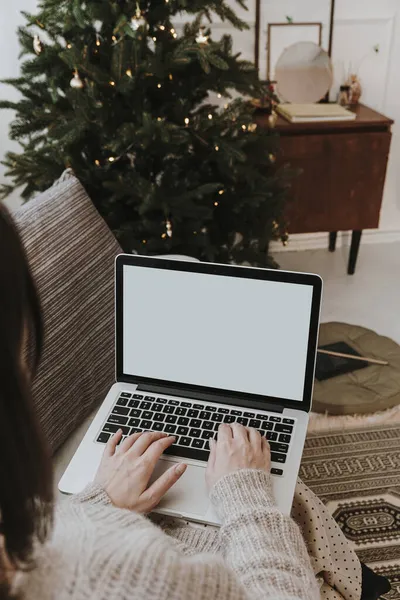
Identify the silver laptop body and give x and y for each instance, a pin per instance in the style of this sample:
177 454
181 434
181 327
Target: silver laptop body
198 344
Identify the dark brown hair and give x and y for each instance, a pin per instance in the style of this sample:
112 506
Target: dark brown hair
26 494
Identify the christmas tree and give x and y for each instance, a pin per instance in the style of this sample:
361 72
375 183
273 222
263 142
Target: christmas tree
110 89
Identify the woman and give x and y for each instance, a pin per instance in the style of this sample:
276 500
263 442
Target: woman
99 543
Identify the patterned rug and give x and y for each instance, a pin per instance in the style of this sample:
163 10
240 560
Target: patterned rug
356 473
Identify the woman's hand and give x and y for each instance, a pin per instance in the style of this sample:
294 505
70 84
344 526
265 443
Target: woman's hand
237 447
125 470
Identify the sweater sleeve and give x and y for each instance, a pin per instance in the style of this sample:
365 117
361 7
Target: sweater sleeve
264 548
117 554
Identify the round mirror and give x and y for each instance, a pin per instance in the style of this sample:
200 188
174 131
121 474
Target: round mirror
304 73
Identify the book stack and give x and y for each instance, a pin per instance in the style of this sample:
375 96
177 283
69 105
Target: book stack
311 113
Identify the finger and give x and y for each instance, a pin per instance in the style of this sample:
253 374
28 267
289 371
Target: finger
144 441
152 496
213 452
255 438
112 443
224 433
156 449
160 487
266 452
129 441
239 432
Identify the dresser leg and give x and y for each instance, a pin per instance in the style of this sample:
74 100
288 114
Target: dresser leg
355 244
332 241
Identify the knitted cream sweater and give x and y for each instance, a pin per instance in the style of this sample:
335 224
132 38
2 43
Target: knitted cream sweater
102 552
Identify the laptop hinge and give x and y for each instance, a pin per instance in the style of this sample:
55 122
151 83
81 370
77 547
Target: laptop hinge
208 397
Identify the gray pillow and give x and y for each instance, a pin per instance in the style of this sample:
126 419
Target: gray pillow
71 252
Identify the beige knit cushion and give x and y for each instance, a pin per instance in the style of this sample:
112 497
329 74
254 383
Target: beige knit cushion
71 252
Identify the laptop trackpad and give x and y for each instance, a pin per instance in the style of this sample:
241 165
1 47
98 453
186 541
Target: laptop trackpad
189 495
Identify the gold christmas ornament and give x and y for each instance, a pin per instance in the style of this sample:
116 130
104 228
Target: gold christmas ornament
37 44
168 226
272 119
76 82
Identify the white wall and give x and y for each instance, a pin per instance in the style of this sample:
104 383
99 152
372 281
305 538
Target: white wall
360 24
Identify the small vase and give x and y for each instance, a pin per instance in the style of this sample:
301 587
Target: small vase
355 90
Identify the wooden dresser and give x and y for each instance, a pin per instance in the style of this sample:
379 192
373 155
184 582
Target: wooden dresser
343 174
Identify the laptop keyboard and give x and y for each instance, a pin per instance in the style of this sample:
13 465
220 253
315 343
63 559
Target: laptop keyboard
193 424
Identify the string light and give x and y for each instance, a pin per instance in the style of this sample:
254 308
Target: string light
172 30
114 39
225 106
128 72
187 120
219 96
170 77
159 119
210 116
69 46
111 158
162 27
221 192
144 241
175 36
112 83
97 40
159 85
272 158
97 163
244 127
194 232
163 235
154 39
215 203
216 148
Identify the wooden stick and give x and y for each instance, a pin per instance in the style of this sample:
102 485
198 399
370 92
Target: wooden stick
374 361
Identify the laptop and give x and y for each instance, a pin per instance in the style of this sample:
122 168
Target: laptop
200 344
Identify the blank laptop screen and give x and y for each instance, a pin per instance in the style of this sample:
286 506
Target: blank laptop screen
217 331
